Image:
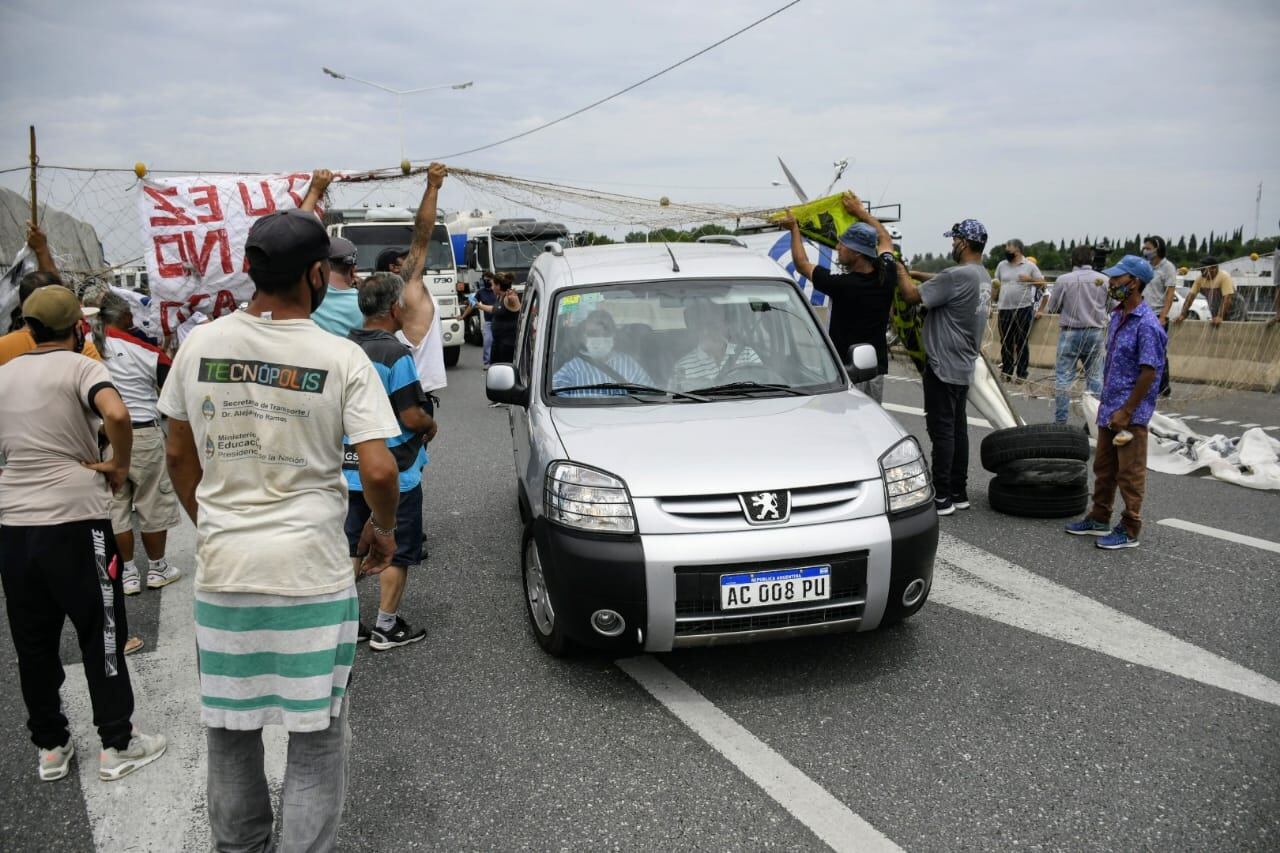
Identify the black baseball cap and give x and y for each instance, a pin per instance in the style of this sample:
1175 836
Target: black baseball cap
342 250
387 256
286 242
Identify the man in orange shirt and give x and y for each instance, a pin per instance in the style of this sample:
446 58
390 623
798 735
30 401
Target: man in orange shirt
19 341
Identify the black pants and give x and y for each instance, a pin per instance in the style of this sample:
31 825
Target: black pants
51 573
948 426
1015 340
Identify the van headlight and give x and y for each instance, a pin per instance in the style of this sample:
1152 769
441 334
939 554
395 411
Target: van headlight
906 479
587 499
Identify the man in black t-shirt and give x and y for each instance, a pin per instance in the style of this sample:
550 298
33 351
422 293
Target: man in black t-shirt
860 297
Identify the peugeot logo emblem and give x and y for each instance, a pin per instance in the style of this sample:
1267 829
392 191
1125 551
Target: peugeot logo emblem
766 507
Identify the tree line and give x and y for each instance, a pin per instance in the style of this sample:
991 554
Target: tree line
1186 251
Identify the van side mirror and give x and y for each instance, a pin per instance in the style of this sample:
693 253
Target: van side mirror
501 385
862 363
469 254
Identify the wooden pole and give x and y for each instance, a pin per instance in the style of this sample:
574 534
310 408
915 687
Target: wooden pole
34 161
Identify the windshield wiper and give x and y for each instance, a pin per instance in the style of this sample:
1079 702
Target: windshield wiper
632 389
736 387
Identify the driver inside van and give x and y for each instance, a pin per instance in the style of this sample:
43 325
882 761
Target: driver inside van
715 356
598 362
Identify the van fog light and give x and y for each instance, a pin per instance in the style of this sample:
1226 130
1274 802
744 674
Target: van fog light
608 622
912 594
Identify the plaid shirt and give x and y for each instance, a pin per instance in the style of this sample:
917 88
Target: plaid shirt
1134 340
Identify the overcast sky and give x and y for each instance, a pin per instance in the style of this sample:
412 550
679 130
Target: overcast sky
1044 120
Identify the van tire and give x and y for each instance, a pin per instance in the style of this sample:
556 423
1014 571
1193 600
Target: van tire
546 626
1066 474
1036 501
1034 441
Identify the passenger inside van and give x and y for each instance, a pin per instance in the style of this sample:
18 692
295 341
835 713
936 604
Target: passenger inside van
598 362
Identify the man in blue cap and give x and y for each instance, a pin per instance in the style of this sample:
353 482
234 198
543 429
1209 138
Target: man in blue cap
860 297
1135 359
952 338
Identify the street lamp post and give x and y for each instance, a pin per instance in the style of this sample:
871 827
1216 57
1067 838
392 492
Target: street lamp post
399 93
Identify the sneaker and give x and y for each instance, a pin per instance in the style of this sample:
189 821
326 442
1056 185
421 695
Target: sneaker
1088 527
142 750
362 633
54 763
132 585
944 506
399 635
960 501
157 579
1117 539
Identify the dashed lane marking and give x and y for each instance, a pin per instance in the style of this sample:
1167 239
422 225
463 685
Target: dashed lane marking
1225 535
811 804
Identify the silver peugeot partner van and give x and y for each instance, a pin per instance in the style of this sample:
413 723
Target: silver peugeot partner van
693 463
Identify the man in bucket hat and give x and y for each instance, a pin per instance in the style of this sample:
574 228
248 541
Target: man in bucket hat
952 336
861 296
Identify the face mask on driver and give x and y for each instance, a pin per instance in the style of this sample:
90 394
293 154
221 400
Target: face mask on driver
599 347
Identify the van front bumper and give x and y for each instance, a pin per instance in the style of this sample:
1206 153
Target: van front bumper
666 586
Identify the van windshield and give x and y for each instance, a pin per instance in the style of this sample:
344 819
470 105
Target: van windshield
686 341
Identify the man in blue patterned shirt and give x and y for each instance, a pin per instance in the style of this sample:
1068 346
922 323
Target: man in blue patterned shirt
1135 359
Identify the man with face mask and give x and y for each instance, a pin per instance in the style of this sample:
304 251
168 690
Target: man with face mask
1018 280
952 336
598 363
715 357
258 404
1161 293
1135 357
861 296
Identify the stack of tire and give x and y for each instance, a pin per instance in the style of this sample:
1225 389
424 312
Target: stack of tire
1041 470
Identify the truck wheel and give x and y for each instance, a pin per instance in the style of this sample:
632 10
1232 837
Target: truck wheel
1066 474
1034 441
451 356
542 615
1036 501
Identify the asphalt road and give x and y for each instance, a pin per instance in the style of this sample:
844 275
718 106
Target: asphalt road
961 729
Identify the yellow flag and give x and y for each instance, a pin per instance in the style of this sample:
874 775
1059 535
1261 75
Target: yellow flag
822 221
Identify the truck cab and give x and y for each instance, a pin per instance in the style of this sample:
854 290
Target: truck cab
511 246
375 229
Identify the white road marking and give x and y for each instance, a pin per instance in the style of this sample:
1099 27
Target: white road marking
1185 417
166 695
1209 420
811 804
912 410
977 581
1269 428
1225 535
1228 423
1249 426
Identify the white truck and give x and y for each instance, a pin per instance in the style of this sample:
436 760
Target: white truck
511 246
378 228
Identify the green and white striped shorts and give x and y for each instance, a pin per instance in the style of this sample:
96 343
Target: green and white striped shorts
274 659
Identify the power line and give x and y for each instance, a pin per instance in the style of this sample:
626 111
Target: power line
620 92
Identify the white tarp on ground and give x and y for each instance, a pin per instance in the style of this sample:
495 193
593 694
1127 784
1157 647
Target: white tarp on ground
1252 460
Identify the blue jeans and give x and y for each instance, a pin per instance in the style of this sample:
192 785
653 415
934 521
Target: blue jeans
486 334
315 786
1076 347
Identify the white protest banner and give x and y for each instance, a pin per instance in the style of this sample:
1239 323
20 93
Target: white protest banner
194 228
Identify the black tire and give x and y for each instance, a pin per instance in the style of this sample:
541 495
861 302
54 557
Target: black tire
1034 441
547 629
472 332
1069 475
451 356
1036 501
